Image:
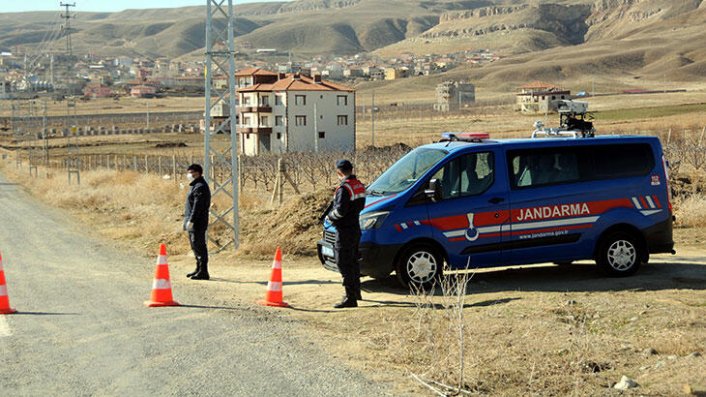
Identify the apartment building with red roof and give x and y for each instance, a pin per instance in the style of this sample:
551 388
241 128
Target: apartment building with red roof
282 113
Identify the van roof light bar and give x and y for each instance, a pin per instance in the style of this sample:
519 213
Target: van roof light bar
475 137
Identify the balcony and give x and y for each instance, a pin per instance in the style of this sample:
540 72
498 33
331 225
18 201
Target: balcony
254 130
255 109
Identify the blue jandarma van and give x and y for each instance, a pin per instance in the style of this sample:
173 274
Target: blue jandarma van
474 202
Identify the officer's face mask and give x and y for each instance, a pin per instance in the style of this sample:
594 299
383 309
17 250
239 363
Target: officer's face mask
189 176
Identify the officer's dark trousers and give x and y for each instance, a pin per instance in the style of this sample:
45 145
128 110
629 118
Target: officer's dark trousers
197 238
347 241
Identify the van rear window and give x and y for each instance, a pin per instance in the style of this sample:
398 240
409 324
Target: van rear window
552 166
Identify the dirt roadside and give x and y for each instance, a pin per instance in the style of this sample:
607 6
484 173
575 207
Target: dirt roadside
573 329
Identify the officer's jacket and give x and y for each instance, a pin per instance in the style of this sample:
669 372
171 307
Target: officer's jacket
198 202
348 202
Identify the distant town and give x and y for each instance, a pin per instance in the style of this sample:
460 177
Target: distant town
90 76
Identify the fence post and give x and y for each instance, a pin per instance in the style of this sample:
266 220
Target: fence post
147 168
159 165
134 163
701 138
174 170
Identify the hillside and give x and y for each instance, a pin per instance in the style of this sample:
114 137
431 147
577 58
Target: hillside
539 39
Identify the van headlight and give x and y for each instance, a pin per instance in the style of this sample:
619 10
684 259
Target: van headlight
373 220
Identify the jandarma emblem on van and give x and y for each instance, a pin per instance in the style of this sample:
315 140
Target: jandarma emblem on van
555 211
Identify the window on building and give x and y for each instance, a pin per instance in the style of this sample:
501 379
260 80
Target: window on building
322 134
342 120
246 100
279 135
279 121
342 100
300 121
300 100
246 121
278 100
264 101
264 121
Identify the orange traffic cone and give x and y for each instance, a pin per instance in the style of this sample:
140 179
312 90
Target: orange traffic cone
162 287
273 297
4 298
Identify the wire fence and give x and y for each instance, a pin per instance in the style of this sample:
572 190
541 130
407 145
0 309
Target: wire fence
306 171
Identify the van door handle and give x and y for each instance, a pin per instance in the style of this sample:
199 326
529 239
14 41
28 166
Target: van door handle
496 200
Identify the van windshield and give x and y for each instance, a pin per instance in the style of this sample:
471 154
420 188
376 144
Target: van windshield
406 171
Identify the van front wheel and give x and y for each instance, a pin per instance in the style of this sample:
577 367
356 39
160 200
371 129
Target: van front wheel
419 265
620 254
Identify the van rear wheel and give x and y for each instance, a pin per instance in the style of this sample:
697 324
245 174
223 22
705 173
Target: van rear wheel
620 254
420 265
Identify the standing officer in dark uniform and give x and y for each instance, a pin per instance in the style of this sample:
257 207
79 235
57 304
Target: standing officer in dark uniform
198 203
348 202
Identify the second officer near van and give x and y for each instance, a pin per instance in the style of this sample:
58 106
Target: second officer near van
348 202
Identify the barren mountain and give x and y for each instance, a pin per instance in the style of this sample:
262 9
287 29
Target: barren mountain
561 38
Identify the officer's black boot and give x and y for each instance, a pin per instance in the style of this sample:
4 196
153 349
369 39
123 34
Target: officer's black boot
196 271
349 300
202 273
358 295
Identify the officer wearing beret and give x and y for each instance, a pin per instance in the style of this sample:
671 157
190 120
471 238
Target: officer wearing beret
348 202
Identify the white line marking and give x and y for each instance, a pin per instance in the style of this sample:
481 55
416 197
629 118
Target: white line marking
455 233
417 223
650 202
650 212
637 203
4 327
404 225
562 222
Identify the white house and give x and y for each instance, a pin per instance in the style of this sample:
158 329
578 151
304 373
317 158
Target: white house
295 113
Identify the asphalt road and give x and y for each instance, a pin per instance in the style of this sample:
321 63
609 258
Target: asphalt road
82 329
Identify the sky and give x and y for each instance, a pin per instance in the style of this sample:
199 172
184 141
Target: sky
103 5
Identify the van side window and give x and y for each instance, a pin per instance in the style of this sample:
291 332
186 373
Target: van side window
550 166
538 168
617 161
468 175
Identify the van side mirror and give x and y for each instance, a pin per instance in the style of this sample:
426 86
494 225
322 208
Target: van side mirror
433 191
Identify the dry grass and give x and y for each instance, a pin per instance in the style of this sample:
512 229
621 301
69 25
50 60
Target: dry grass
530 341
691 212
125 207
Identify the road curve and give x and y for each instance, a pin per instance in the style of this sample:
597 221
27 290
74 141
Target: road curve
82 329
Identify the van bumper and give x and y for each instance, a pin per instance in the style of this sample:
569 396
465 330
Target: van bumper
376 261
659 238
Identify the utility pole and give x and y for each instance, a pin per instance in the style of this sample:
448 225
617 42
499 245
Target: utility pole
73 166
148 115
67 26
51 70
222 172
316 129
45 134
372 118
